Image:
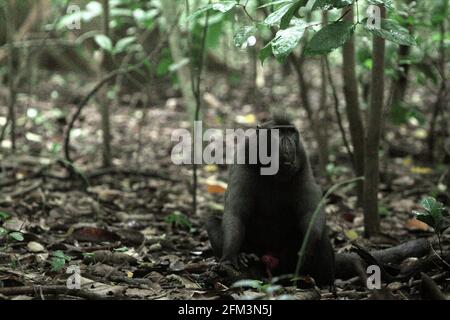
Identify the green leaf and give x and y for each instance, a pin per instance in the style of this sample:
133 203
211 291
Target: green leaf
57 264
330 38
241 37
223 7
287 18
425 218
123 44
276 16
287 40
59 260
3 232
434 215
331 4
104 42
274 3
391 31
61 255
255 284
179 220
4 215
18 236
387 3
265 52
428 204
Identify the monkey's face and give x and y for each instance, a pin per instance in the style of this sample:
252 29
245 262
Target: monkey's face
289 150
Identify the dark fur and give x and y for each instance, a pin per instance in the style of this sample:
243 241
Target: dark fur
270 214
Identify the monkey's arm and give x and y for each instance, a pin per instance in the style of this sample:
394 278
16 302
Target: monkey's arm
319 259
239 206
310 200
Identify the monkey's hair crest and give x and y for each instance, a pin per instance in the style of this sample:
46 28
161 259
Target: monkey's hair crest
281 118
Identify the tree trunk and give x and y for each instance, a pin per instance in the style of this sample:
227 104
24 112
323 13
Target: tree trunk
352 106
442 99
401 83
297 63
322 112
372 174
170 12
10 26
106 124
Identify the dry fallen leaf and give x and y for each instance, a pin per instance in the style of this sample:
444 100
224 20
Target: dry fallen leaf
35 247
416 225
403 205
352 235
421 170
211 168
405 181
216 187
188 284
248 119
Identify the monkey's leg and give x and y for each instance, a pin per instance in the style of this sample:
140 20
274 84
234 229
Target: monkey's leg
323 263
215 234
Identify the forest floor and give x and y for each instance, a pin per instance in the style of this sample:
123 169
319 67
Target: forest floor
131 230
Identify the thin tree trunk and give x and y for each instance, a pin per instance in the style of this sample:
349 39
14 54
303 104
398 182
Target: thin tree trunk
441 101
351 93
170 12
10 25
372 174
401 83
321 115
297 63
105 112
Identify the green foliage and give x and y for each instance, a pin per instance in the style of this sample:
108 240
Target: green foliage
270 290
15 235
223 7
18 236
433 214
275 17
392 31
292 28
331 4
402 113
330 37
92 10
124 14
59 260
387 3
242 36
4 216
124 43
104 42
179 220
287 40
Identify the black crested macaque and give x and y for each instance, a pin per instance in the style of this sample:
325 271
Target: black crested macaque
268 216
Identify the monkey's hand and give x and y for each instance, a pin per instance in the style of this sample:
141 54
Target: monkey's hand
242 260
246 259
227 271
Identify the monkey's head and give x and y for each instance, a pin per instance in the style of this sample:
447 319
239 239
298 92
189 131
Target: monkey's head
292 155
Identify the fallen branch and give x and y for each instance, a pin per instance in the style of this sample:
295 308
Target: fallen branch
26 190
349 265
50 290
95 174
429 290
